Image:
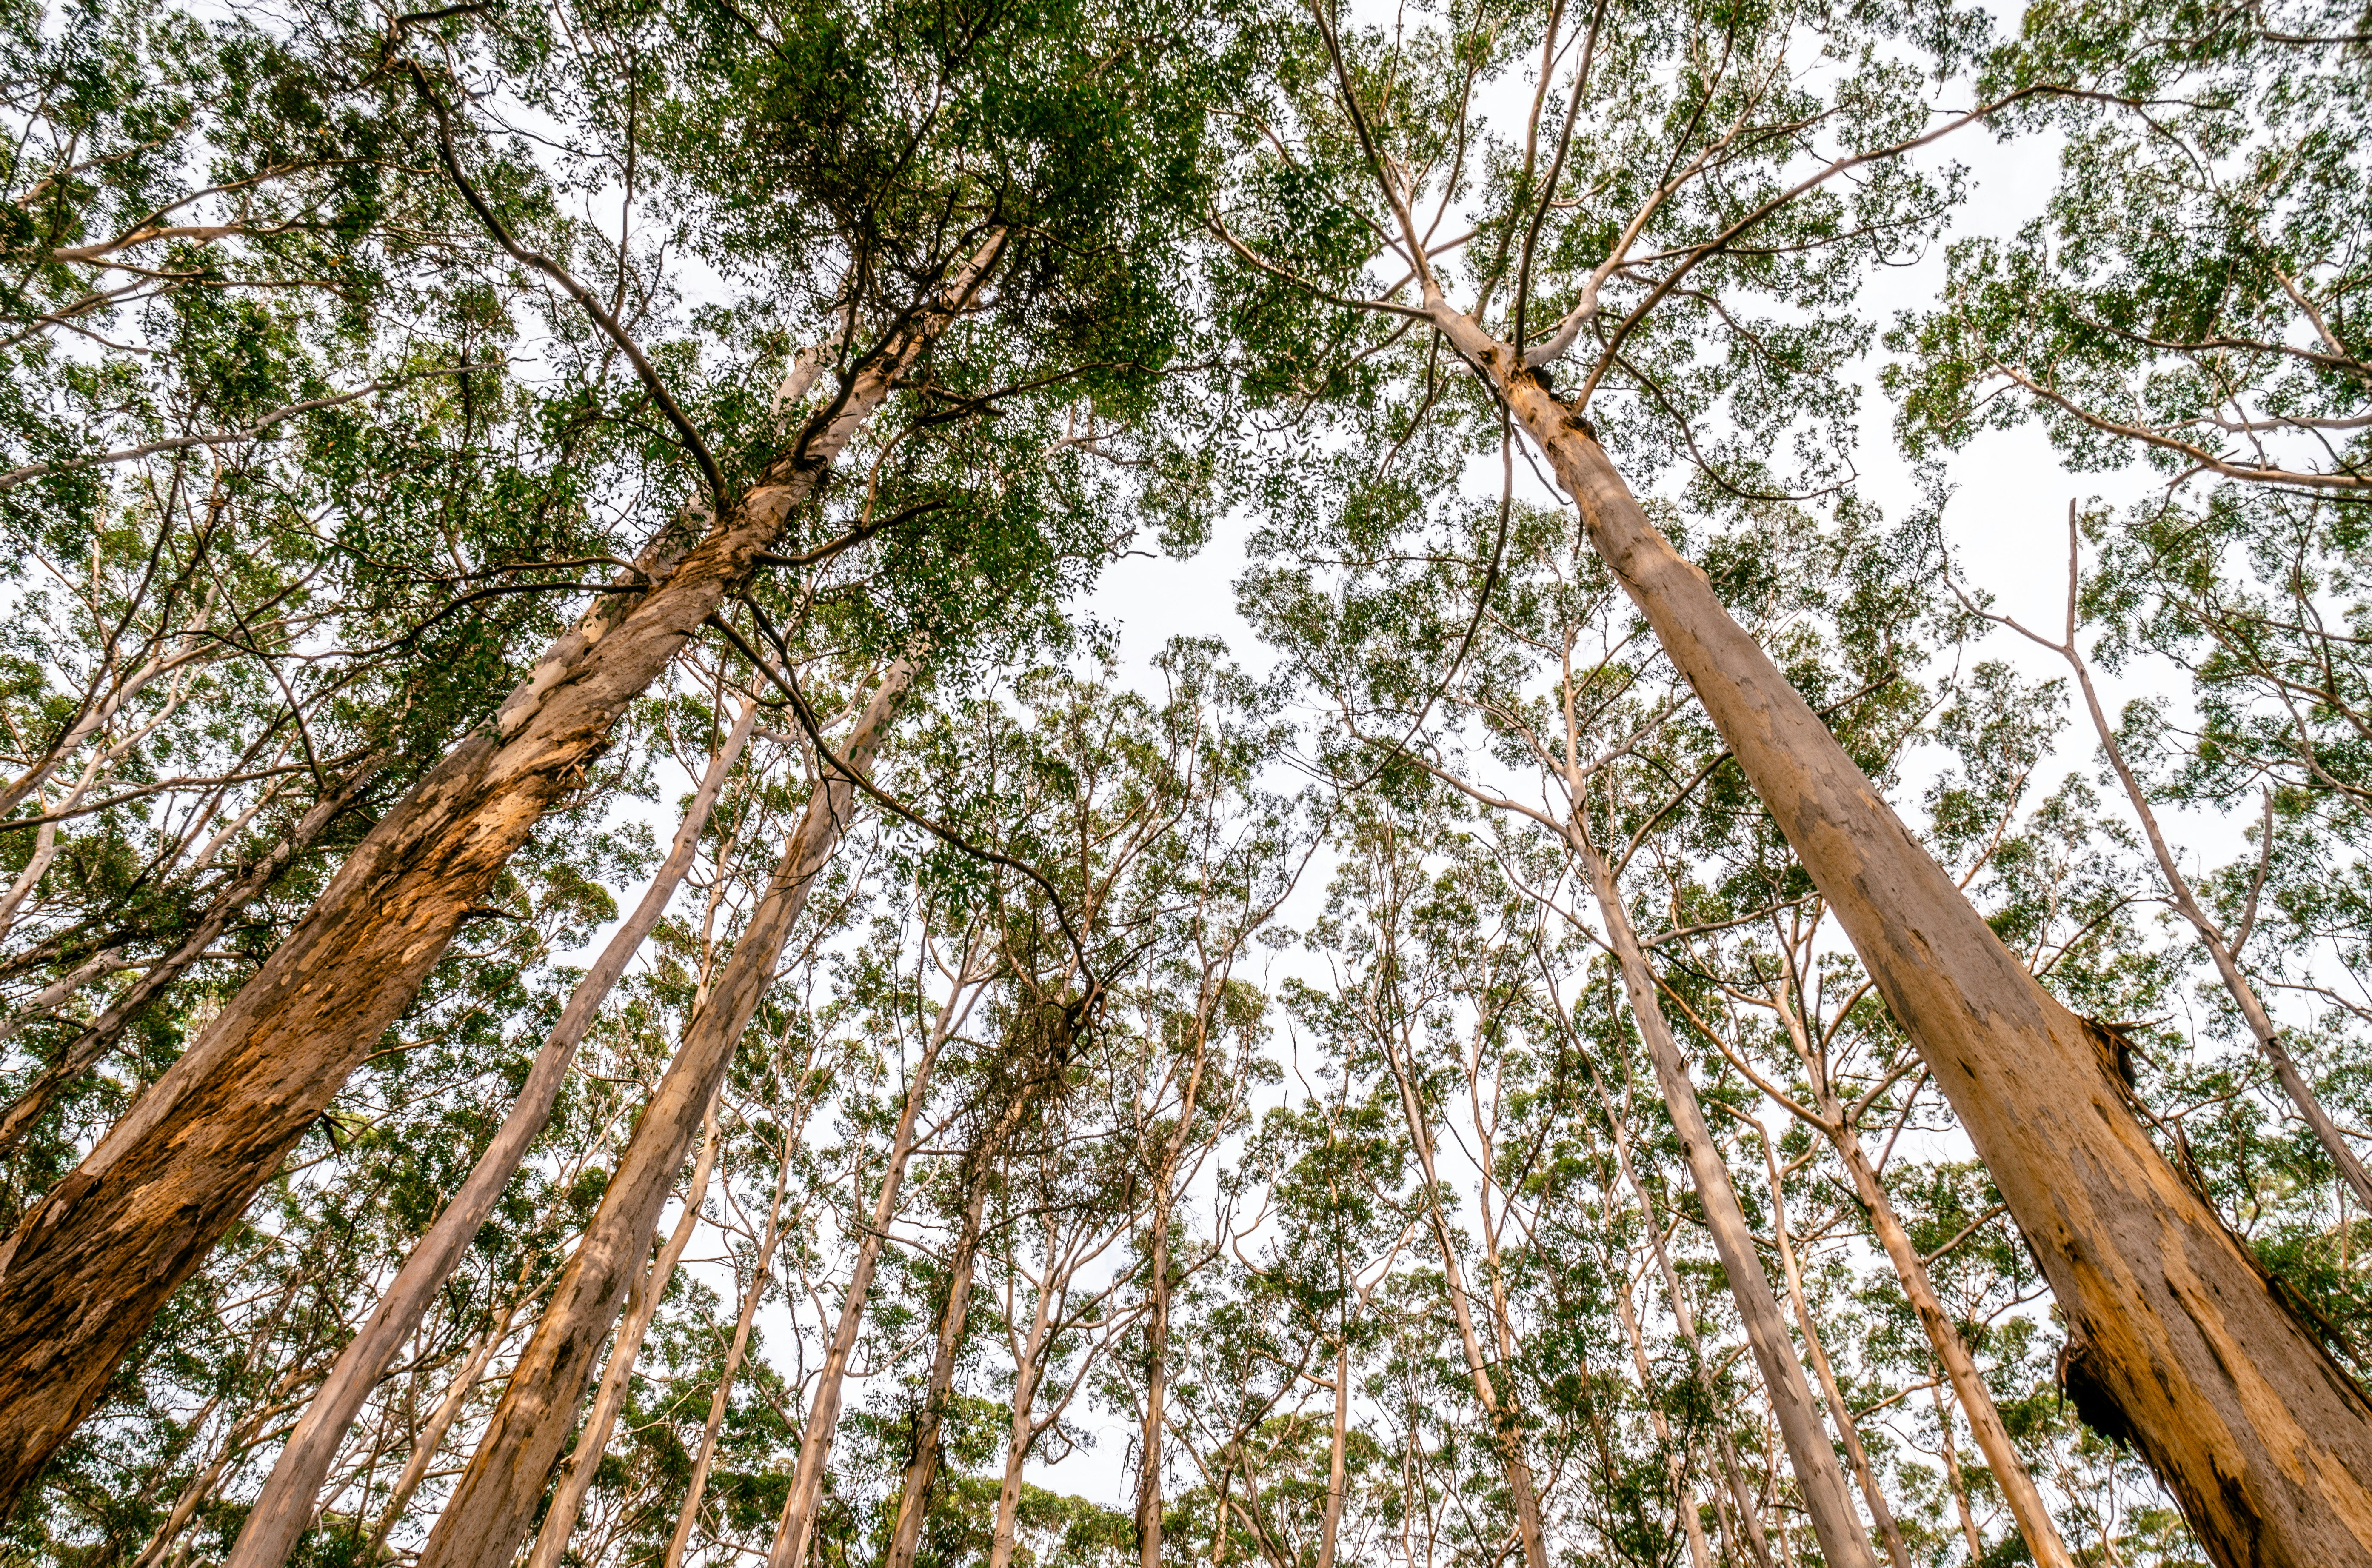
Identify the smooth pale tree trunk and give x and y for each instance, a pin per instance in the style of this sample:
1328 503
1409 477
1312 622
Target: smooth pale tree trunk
1156 1322
1157 1384
2026 1504
440 1421
721 1401
1506 1428
2260 1435
1338 1456
495 1500
1029 1372
1840 1412
85 1050
923 1467
1684 1318
617 1378
1819 1479
798 1521
85 1272
286 1501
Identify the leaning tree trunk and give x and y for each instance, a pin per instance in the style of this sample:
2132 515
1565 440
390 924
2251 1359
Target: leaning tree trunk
2017 1482
923 1465
286 1501
1818 1477
2178 1336
798 1520
1684 1318
495 1500
1847 1428
1506 1426
720 1400
87 1271
643 1298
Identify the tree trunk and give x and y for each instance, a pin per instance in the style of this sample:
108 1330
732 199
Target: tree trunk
1843 1543
1029 1372
1338 1456
617 1378
1958 1484
286 1501
791 1532
1505 1430
1684 1496
86 1049
440 1421
87 1271
2264 1439
1684 1318
1840 1412
495 1500
2026 1504
1157 1381
721 1399
922 1466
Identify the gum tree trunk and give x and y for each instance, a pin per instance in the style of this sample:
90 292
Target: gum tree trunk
1506 1430
2177 1334
1819 1479
87 1271
641 1304
922 1466
797 1520
719 1402
286 1501
494 1503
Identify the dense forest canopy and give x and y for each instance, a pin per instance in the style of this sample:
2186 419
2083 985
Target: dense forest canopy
611 954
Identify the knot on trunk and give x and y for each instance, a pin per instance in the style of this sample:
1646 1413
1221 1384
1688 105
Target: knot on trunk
2081 1382
2116 1049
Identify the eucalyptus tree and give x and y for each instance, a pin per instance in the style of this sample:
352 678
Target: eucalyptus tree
908 244
1689 213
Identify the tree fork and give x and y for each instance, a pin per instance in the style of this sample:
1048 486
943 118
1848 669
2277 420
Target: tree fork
87 1271
2264 1439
